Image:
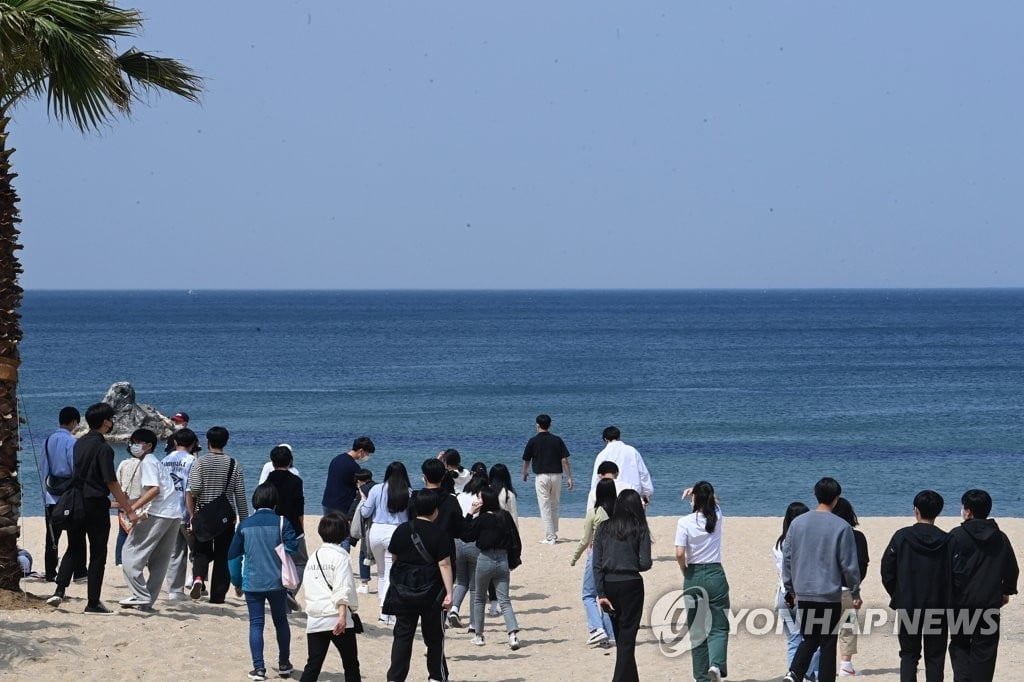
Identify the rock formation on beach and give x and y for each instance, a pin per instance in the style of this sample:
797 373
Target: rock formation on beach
130 415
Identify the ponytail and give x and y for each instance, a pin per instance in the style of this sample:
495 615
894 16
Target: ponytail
704 503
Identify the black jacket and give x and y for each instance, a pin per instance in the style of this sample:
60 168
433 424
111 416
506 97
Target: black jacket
862 555
984 567
916 568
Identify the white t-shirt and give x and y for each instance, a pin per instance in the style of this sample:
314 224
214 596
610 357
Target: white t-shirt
179 464
268 467
701 546
155 474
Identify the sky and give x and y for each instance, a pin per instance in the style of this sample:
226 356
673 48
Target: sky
532 145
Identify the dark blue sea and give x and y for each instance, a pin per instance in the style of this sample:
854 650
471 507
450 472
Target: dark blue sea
760 392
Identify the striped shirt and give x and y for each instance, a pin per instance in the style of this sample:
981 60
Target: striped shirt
208 478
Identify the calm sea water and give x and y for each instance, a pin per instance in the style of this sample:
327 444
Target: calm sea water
761 393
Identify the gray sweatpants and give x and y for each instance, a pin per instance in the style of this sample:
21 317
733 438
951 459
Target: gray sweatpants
178 567
149 545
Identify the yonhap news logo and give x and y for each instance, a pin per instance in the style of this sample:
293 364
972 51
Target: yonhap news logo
681 620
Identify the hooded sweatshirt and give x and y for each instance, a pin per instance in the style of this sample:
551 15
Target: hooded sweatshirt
916 568
984 566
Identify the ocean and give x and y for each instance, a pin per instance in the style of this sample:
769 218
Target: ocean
759 392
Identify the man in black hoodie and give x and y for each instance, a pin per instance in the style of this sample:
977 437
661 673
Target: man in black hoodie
985 574
916 574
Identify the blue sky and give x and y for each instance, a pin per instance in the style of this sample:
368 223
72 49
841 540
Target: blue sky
546 145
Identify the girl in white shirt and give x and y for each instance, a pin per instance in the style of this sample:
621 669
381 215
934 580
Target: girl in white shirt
788 615
699 553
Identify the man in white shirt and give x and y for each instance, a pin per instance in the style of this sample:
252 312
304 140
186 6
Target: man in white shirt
632 470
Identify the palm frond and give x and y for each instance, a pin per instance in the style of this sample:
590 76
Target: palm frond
159 73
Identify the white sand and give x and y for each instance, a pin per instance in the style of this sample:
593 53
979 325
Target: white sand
200 641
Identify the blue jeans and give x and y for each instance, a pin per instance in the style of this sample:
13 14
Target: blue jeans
279 613
119 546
492 565
596 618
793 637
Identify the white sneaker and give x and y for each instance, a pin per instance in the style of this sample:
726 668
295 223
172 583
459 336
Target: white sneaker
846 670
597 636
513 641
715 674
477 641
175 596
363 589
134 601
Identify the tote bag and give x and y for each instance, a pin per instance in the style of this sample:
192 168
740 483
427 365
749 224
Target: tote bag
289 573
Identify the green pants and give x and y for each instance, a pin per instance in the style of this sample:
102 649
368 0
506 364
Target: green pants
706 619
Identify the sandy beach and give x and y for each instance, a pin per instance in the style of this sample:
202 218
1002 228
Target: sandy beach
196 640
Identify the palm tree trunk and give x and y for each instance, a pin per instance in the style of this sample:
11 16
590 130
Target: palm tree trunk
10 336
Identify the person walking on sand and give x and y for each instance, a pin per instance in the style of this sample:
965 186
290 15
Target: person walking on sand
291 504
632 470
599 624
985 573
340 490
94 472
916 574
699 554
849 624
150 543
215 474
387 506
819 555
179 465
622 551
787 613
550 460
56 469
255 570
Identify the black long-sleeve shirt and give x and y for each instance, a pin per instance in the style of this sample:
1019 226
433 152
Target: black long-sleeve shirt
489 531
616 560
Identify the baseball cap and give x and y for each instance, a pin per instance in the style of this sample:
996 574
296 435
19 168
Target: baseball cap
180 417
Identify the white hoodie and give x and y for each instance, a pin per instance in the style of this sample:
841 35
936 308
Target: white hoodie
322 602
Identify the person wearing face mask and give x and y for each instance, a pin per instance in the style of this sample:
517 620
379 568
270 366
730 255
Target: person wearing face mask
151 540
340 489
128 472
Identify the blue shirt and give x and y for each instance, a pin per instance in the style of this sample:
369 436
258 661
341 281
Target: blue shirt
255 540
57 458
376 507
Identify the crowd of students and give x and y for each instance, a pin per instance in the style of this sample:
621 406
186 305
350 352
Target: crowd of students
457 536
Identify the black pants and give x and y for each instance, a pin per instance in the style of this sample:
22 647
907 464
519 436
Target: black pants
910 639
819 623
51 557
319 643
214 550
973 654
432 620
627 598
96 527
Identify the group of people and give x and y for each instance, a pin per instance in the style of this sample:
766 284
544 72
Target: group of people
458 536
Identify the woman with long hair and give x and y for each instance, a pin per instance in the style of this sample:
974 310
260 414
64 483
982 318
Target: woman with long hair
497 538
788 615
387 506
699 553
849 624
501 481
466 555
599 625
622 551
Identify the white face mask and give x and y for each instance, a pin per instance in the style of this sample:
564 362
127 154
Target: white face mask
136 449
178 426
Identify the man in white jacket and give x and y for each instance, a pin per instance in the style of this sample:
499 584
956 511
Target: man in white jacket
331 601
632 470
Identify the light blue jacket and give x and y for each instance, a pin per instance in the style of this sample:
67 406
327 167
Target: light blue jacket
254 541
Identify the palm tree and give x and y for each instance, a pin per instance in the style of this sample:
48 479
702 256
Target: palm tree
65 50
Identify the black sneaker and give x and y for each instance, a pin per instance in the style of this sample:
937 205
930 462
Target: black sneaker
258 674
196 591
57 598
98 609
286 670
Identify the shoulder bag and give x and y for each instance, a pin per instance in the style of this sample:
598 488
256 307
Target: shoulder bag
357 623
289 573
217 515
69 512
55 485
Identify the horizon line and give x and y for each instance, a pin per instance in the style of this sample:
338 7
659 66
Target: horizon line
519 290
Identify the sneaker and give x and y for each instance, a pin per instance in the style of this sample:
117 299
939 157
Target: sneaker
453 620
548 541
477 641
363 589
846 670
134 601
196 591
286 670
56 599
513 641
714 674
258 674
175 596
790 677
596 637
98 609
